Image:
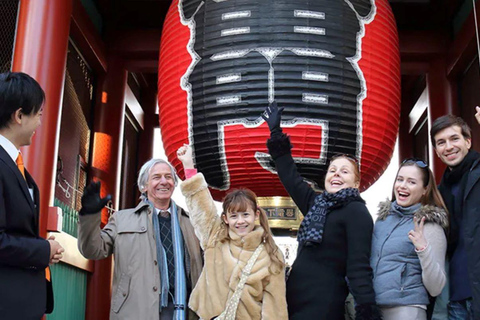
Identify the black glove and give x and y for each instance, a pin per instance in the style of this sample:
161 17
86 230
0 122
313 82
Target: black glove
273 116
367 312
91 200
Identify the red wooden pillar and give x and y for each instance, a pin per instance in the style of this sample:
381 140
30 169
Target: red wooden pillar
441 102
41 51
106 160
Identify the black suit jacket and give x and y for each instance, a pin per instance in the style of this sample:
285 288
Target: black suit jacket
23 254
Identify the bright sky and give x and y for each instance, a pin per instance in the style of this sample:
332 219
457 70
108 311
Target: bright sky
382 188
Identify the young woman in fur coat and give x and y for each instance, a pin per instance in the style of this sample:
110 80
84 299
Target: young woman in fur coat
228 242
334 239
409 244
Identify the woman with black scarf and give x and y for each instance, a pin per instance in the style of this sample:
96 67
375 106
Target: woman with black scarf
334 237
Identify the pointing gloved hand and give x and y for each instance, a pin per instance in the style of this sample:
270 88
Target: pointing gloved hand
91 200
273 116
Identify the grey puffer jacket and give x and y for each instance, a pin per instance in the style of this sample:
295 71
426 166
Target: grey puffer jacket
399 271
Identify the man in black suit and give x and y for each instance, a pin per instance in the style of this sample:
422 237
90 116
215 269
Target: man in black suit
23 254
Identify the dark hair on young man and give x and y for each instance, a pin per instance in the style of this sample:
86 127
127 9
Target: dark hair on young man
447 121
18 90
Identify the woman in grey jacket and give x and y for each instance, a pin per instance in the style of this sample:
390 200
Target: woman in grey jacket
409 244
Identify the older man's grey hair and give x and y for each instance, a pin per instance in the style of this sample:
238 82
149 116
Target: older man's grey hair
144 174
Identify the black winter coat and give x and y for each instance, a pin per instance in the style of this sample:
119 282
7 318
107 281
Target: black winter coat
317 286
471 220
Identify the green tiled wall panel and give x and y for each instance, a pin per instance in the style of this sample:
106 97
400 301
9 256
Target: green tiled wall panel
70 291
70 218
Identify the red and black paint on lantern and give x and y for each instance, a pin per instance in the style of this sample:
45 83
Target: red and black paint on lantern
333 65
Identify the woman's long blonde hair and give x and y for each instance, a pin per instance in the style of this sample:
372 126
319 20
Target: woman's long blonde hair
241 200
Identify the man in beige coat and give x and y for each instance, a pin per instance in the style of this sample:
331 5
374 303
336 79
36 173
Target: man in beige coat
157 255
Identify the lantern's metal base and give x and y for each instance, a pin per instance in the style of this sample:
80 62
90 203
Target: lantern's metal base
281 212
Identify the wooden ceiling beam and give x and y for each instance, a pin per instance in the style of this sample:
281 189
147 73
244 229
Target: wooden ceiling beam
87 38
142 65
139 49
418 48
414 68
140 43
463 49
422 43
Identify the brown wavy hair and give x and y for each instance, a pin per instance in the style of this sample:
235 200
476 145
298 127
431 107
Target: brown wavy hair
241 200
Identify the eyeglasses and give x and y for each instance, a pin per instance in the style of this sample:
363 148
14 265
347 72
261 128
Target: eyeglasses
419 162
344 155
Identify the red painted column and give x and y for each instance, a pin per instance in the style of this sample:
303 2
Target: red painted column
41 51
106 161
441 102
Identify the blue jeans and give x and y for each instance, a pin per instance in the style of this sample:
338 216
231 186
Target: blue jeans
460 310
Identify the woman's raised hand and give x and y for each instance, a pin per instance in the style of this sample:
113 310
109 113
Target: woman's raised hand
416 235
273 115
477 114
184 154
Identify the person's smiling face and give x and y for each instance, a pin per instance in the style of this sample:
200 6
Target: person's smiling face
161 184
241 222
30 123
451 146
340 175
408 187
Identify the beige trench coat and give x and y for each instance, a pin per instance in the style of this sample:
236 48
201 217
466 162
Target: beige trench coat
130 237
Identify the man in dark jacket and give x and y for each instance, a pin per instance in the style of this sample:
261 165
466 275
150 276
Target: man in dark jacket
460 189
24 291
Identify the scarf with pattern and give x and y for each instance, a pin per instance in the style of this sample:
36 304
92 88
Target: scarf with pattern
311 229
180 286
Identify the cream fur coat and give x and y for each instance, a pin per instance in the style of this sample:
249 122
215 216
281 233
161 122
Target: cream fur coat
263 296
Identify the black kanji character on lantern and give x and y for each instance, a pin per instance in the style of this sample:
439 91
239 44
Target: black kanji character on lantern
300 53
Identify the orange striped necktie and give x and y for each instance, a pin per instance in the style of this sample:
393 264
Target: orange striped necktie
20 165
48 275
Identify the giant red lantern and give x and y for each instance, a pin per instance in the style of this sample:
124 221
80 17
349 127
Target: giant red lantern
333 64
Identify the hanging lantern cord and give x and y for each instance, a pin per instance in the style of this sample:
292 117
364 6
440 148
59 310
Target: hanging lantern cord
476 30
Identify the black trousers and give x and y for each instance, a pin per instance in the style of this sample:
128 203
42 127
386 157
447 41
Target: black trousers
167 312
